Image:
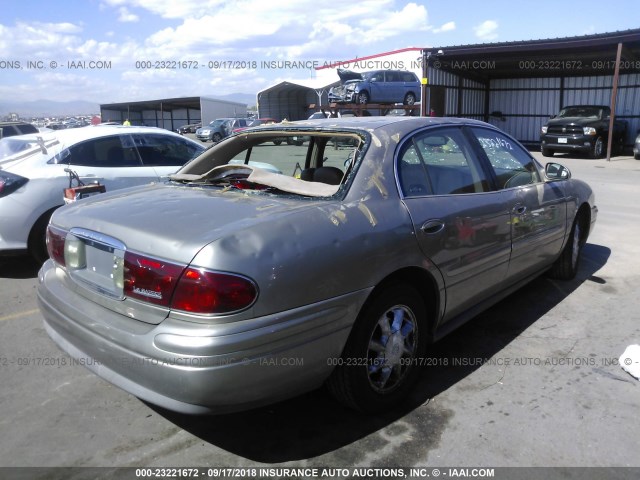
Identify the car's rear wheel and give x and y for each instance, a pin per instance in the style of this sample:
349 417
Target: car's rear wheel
363 98
598 148
379 364
566 266
37 241
409 99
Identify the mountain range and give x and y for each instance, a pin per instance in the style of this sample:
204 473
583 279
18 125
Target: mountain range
52 108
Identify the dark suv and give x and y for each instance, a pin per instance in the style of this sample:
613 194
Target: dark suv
377 86
9 129
582 128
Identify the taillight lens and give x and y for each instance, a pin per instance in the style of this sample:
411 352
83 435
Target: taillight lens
203 291
55 244
10 182
149 279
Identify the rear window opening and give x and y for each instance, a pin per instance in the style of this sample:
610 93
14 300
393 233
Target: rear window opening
305 163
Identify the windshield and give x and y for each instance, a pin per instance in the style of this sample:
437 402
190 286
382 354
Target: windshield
12 145
215 123
586 112
22 147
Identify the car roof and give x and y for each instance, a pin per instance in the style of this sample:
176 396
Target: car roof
14 122
74 135
403 124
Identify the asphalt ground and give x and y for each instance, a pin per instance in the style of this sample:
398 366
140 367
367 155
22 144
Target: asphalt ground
534 381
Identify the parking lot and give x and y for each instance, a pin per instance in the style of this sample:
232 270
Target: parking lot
534 381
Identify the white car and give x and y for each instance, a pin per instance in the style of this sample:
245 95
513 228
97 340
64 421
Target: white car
33 177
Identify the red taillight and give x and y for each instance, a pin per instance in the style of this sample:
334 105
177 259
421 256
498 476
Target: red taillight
10 182
193 290
149 279
55 244
202 291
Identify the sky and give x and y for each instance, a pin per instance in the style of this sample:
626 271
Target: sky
107 51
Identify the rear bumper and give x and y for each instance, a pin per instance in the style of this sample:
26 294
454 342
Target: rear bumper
197 368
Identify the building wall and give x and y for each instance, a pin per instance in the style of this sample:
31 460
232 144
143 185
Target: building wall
521 106
211 109
527 104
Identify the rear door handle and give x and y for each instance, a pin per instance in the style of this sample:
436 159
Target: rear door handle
431 227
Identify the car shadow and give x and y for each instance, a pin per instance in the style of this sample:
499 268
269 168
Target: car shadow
19 267
314 424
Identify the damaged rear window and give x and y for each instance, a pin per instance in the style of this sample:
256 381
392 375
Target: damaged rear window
314 164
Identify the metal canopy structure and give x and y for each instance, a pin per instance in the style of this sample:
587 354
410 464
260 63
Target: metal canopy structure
572 56
171 113
290 100
167 104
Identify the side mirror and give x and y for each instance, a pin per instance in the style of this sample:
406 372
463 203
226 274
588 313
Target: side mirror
555 171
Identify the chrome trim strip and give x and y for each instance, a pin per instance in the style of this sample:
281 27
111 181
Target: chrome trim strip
101 238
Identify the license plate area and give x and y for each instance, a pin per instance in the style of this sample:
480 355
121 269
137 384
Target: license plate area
96 261
562 140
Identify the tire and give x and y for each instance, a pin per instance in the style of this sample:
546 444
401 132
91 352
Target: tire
409 99
546 152
216 137
566 266
277 142
636 156
597 151
378 364
37 242
363 98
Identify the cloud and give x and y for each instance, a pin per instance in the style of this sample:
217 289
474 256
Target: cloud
391 24
211 30
126 15
34 40
447 27
486 30
172 9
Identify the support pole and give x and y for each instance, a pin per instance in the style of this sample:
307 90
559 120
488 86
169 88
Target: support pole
614 94
424 81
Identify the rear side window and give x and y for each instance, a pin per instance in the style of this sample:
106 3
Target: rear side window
439 162
164 150
513 166
114 151
392 76
8 131
409 77
27 128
